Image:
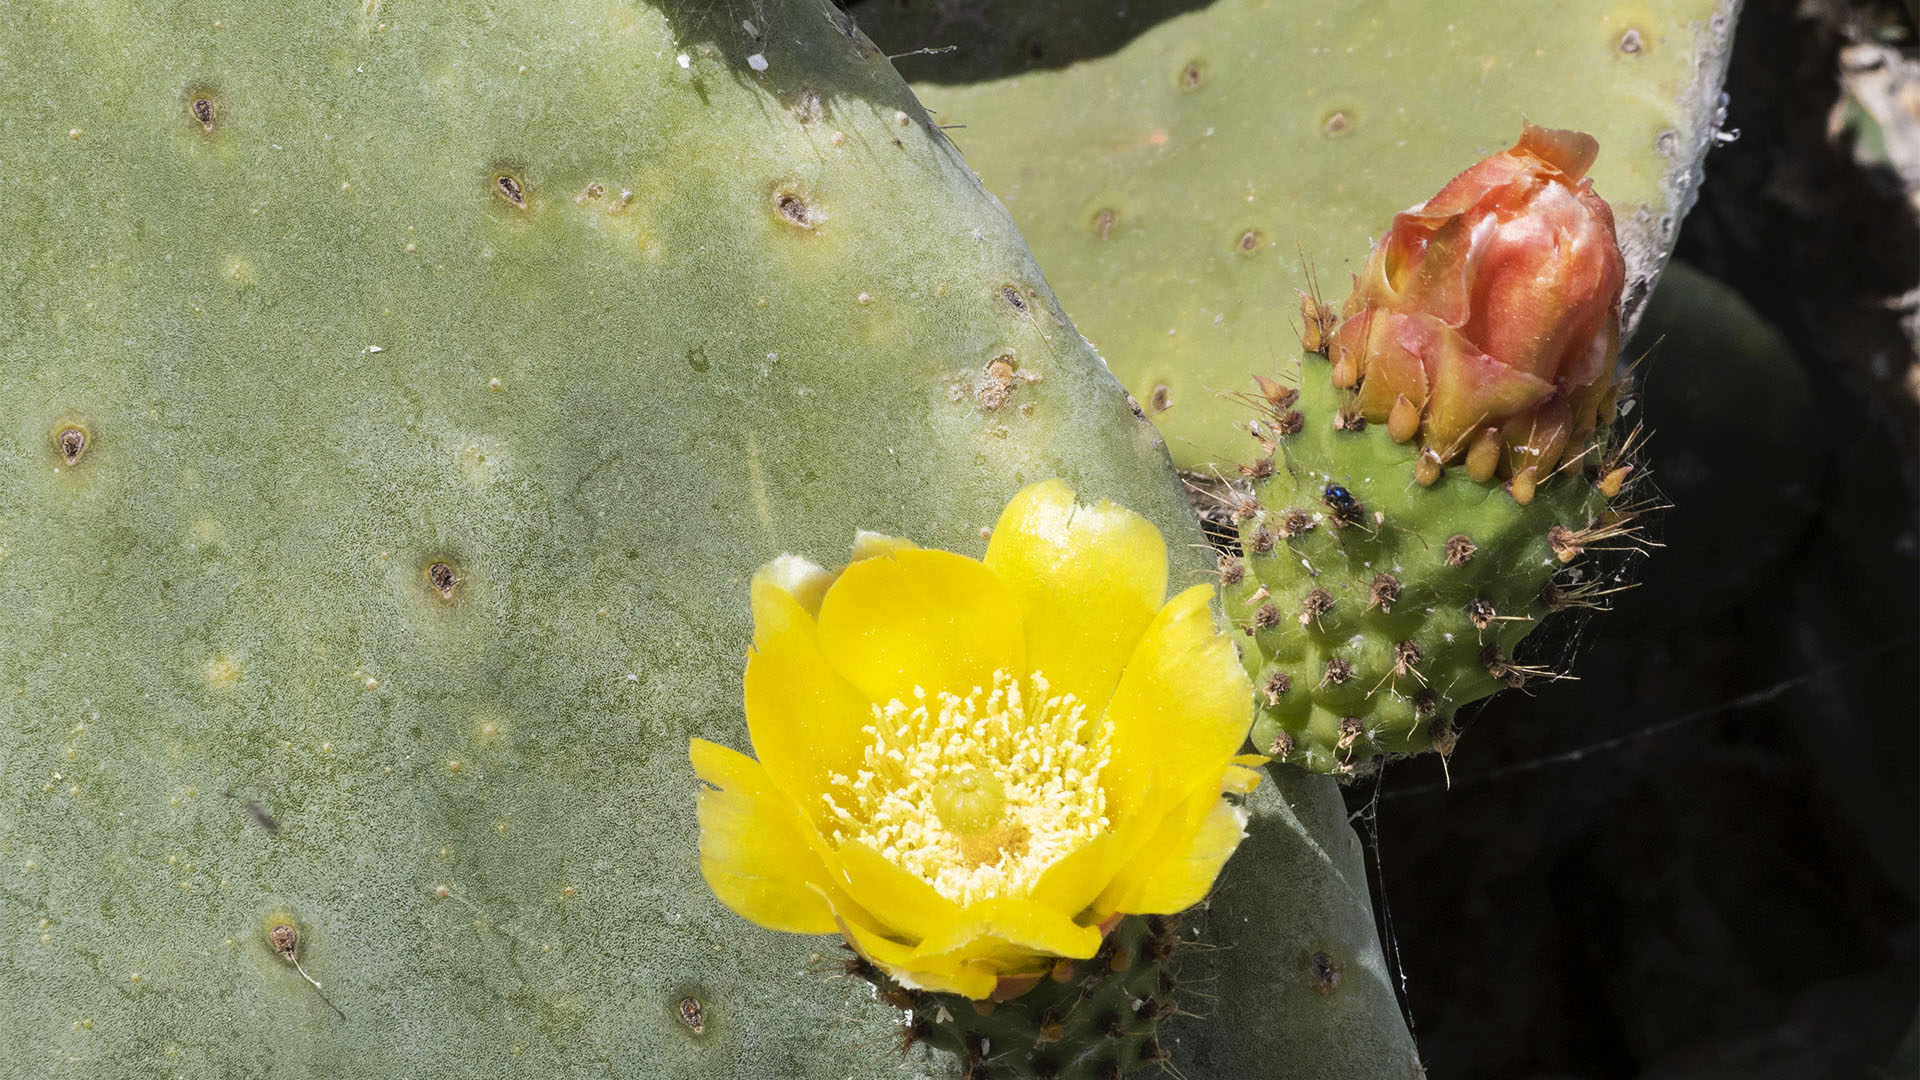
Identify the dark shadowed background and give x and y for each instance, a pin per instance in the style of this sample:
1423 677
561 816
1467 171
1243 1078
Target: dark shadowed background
1699 860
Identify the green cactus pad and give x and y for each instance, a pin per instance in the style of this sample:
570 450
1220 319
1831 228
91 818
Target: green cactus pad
1374 606
1179 190
397 399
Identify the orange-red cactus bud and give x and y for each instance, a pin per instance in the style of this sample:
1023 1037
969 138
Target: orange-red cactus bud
1493 309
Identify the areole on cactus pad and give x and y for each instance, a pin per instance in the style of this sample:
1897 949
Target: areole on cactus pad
1380 589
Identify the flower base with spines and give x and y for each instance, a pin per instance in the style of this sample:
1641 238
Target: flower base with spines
1366 630
1094 1019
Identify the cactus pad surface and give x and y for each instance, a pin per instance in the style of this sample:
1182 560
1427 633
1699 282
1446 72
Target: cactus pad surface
1182 189
397 399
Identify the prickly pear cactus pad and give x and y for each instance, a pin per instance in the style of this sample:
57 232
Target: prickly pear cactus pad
1375 606
1180 190
394 402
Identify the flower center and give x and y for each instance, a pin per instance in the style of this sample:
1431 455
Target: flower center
977 795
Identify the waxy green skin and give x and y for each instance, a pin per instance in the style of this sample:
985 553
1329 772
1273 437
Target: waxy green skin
1182 189
1392 648
338 297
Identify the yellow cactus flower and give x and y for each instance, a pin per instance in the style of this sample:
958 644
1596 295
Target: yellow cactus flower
970 768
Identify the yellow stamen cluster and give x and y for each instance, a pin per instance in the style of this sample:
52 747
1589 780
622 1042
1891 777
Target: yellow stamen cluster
977 795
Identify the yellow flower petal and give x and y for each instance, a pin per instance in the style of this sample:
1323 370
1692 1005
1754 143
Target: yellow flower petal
1244 774
751 852
804 719
1075 883
1071 884
922 618
1010 931
982 956
974 979
874 545
901 903
1181 709
803 579
1082 884
1127 844
1175 870
1089 579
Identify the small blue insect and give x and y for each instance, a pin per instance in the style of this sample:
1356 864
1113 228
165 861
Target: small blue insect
1346 509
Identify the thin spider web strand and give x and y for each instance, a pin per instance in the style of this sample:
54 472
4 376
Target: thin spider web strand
1745 701
1368 815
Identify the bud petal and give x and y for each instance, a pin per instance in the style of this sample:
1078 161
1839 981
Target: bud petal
1403 422
1494 304
1483 457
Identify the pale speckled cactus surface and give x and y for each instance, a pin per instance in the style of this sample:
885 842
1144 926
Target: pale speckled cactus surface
394 400
1179 189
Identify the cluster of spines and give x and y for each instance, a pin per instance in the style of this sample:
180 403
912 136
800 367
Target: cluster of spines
1095 1019
1503 584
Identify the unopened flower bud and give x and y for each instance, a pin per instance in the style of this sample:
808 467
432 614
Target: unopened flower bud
1488 319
